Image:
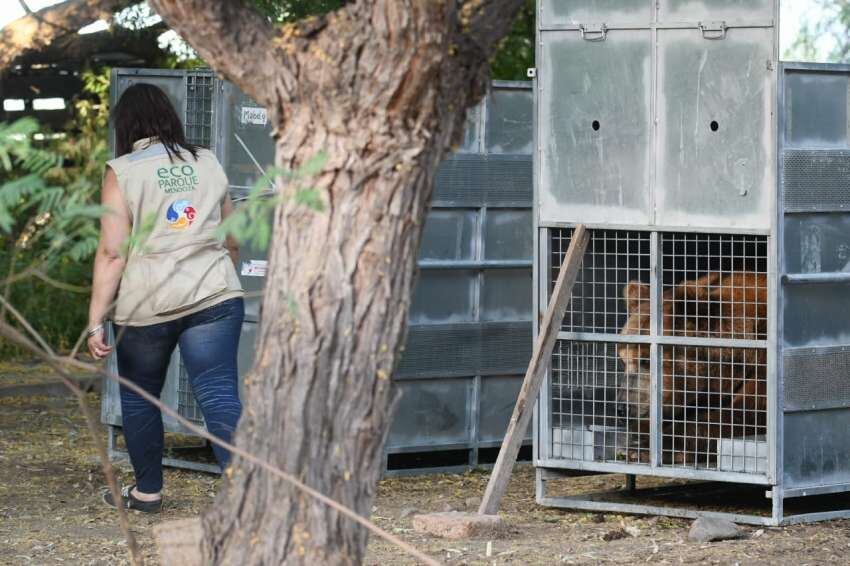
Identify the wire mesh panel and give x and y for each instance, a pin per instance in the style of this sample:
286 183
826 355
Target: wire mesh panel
708 334
186 404
714 397
199 108
715 285
597 413
715 408
613 259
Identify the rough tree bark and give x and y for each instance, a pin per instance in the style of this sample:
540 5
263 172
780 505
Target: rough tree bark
39 29
380 86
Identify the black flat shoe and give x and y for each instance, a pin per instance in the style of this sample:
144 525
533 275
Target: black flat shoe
129 501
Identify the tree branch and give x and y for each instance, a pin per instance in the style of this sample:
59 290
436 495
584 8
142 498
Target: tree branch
230 36
37 30
29 12
485 22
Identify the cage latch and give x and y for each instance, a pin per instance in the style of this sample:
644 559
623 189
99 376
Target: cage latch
593 32
713 30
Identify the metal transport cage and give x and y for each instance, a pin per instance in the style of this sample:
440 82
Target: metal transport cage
707 336
469 338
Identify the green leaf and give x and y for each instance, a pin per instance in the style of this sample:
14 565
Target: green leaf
312 166
93 211
310 198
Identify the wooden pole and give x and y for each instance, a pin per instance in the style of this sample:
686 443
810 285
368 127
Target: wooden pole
543 347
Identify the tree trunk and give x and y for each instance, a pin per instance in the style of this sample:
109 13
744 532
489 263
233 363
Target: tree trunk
381 87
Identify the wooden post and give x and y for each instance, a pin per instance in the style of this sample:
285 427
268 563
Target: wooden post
543 347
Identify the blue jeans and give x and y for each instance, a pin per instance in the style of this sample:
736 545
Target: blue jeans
209 340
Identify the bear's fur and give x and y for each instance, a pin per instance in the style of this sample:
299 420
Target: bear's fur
708 392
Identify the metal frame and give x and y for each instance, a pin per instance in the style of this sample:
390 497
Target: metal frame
783 279
546 467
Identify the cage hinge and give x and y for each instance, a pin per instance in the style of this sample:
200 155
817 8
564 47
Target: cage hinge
593 32
531 72
713 30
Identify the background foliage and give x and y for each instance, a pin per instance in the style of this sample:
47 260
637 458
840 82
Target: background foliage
49 210
516 52
829 28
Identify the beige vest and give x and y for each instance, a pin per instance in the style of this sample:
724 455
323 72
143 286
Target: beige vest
181 266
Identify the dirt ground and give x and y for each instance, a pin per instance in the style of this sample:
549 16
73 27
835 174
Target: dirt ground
51 513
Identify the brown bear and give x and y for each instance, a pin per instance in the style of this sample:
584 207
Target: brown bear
708 392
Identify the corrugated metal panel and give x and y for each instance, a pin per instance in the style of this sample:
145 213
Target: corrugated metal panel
817 378
478 180
469 349
816 180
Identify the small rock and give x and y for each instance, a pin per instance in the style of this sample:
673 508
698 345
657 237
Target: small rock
473 503
457 525
616 534
407 512
708 529
448 508
758 533
632 530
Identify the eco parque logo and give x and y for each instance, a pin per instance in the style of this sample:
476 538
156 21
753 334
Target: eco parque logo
177 178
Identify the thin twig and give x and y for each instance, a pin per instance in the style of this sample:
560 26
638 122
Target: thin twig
56 361
27 326
91 422
59 284
108 470
36 271
7 285
39 18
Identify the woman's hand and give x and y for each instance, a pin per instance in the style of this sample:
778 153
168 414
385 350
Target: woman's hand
98 346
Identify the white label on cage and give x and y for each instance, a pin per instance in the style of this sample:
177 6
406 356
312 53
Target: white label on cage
254 115
255 268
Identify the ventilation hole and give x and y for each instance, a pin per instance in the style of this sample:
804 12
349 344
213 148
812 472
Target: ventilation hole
714 125
595 125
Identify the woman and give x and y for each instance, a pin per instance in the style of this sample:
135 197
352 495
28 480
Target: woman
177 285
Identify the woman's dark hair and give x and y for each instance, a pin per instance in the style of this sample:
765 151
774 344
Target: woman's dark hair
144 111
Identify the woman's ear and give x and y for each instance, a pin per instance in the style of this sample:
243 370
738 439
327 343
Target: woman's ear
634 294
